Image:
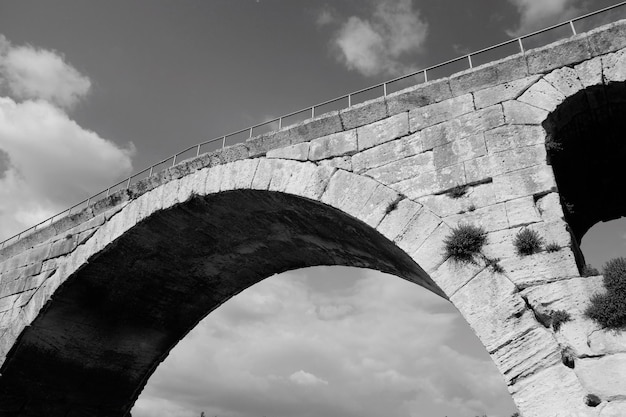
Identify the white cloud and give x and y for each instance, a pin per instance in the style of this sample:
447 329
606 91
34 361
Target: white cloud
304 378
383 358
31 73
376 45
537 14
48 162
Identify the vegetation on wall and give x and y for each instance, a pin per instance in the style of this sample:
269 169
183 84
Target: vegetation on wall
609 309
527 242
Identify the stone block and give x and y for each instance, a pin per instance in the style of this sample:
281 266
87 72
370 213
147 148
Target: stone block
63 246
463 126
397 220
528 181
430 255
310 181
363 113
506 161
518 113
513 136
432 182
522 211
263 175
417 231
603 376
337 144
614 67
488 75
503 92
607 39
460 150
493 308
383 131
418 96
476 196
565 80
298 152
559 54
451 275
349 202
282 170
214 179
542 94
539 268
239 175
324 125
377 205
549 207
340 162
590 72
490 218
555 392
432 114
527 354
613 409
403 169
387 152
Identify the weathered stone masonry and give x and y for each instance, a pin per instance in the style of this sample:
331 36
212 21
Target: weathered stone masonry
92 304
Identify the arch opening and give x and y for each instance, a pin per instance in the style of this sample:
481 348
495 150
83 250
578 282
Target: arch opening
586 148
106 329
337 341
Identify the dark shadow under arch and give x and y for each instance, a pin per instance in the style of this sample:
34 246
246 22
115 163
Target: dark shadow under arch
94 345
586 144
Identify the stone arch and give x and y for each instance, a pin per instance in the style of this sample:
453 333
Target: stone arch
112 309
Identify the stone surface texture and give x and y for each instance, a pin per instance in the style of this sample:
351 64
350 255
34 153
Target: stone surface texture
91 304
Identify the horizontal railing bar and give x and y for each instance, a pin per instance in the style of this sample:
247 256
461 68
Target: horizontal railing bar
311 109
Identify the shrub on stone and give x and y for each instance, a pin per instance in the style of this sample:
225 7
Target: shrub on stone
615 275
465 243
609 309
457 192
589 271
558 318
527 242
552 247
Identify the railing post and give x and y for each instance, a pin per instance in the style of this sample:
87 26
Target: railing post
469 58
521 45
425 76
174 161
88 200
312 112
128 183
223 142
571 24
280 123
384 89
250 137
151 168
349 100
198 151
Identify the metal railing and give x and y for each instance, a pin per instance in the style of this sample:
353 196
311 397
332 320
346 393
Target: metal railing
278 122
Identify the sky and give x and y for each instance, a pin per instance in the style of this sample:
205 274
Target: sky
93 91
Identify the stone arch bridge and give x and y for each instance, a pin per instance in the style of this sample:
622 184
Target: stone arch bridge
90 305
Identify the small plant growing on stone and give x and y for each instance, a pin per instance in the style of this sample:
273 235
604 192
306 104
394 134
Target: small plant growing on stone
493 264
472 207
465 243
609 309
592 400
589 271
552 247
558 318
391 207
457 192
527 242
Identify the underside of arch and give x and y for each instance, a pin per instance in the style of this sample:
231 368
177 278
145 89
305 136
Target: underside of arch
586 146
105 330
